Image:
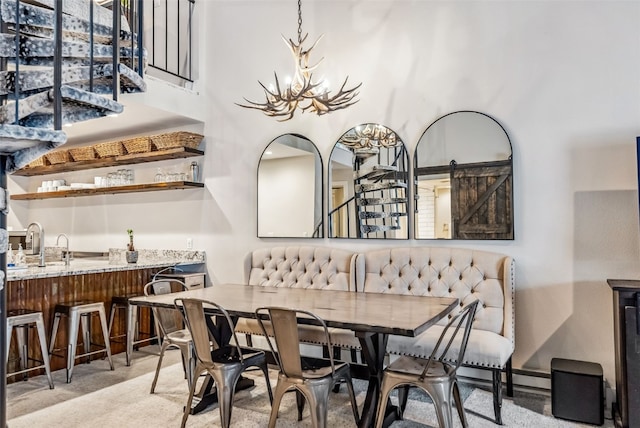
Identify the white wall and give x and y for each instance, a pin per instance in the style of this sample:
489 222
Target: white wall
562 77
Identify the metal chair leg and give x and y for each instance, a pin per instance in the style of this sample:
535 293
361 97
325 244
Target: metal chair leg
43 349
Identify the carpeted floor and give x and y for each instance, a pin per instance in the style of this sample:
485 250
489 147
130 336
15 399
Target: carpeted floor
120 398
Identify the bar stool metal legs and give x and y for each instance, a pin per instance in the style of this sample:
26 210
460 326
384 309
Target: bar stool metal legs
22 320
132 331
80 314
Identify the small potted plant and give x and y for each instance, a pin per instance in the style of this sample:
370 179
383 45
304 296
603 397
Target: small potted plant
131 254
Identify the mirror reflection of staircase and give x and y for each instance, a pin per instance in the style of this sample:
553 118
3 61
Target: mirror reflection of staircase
57 75
380 191
376 204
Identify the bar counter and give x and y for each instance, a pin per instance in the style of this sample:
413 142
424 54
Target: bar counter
115 262
41 288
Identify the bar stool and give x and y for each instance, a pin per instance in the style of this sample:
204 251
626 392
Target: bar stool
80 313
132 334
23 320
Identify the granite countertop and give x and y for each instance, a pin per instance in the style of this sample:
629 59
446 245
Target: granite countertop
115 262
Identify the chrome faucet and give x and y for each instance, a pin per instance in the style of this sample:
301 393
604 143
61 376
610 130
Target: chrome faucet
67 256
29 238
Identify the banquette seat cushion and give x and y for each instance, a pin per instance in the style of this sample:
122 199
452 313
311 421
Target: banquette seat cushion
449 272
302 267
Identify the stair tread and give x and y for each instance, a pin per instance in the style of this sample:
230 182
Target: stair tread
364 215
34 47
80 9
380 201
40 21
42 78
371 187
376 171
370 228
42 104
25 144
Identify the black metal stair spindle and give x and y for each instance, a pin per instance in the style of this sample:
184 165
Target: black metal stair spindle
3 280
57 67
16 83
115 9
3 304
139 32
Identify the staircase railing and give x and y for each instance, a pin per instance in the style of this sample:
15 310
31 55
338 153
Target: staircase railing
170 45
335 215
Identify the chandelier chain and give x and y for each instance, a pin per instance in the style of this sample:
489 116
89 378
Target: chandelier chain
299 21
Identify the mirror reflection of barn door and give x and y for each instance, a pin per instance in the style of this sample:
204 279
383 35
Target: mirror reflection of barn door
481 201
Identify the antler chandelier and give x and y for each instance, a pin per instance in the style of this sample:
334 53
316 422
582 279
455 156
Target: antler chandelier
369 136
302 92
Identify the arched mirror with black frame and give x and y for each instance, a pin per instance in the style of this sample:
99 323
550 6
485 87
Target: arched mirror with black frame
463 179
290 198
368 178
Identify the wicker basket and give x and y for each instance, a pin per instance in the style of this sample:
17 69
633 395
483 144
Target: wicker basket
58 156
105 150
82 153
137 145
41 161
176 139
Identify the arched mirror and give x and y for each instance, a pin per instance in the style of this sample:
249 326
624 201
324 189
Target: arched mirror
463 179
290 189
368 174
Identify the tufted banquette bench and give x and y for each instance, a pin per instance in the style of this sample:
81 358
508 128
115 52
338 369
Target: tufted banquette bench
466 274
302 267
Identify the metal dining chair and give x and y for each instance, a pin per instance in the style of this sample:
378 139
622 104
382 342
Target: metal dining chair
225 363
435 375
170 328
315 382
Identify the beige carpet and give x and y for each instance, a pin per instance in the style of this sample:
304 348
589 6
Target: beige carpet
120 398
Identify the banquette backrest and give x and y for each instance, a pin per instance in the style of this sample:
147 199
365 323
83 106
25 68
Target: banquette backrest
301 267
434 271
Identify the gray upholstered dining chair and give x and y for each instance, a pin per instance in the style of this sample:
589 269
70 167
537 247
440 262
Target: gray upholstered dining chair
224 362
315 382
170 328
434 375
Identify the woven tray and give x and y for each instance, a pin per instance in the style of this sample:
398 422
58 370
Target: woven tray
58 156
176 139
105 150
82 153
137 145
41 161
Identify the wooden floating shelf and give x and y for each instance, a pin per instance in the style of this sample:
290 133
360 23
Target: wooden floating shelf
129 159
132 188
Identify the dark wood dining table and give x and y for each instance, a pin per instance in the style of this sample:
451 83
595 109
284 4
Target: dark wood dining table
372 316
